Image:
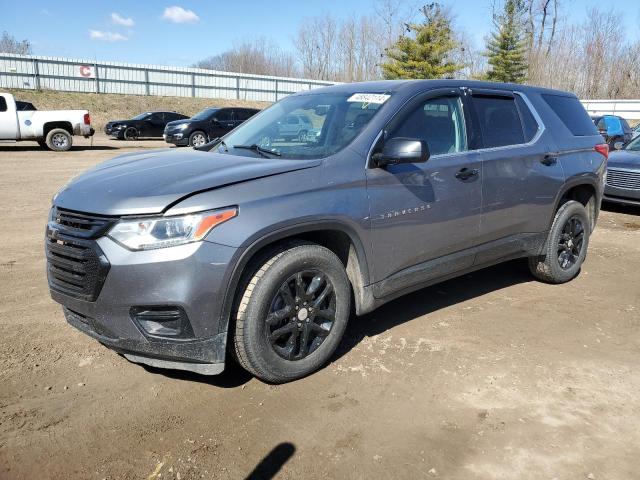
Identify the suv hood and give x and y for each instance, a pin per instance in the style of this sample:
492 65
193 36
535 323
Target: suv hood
175 123
624 159
145 183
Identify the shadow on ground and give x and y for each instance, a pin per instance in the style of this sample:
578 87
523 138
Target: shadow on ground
271 464
432 299
620 208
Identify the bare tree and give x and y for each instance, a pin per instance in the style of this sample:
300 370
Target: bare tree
9 44
258 56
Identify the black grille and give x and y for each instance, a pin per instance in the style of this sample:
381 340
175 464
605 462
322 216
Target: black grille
81 225
623 179
75 264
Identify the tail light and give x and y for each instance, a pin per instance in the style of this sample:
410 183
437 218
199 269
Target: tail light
87 119
602 149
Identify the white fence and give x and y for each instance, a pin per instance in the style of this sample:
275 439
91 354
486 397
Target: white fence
629 109
73 75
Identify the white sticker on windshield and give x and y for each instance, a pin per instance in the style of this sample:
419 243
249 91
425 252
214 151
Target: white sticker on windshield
368 97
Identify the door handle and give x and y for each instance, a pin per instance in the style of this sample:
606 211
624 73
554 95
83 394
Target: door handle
549 159
467 173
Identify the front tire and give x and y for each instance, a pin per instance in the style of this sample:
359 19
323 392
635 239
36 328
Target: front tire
566 246
130 133
197 139
59 140
292 313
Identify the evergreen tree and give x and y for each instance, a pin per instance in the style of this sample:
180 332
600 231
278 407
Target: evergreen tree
506 48
426 51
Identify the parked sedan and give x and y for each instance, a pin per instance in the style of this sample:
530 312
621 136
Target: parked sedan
206 125
148 124
613 128
623 175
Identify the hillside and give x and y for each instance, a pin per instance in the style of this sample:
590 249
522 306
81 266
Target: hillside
106 106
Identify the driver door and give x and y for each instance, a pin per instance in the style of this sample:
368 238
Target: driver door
426 216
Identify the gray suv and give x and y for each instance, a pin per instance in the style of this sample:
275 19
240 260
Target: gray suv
262 250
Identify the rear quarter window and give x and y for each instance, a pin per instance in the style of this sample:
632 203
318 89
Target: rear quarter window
572 114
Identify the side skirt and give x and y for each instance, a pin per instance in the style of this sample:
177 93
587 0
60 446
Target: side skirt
447 267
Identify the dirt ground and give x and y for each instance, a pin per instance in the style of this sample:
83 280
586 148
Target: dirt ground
490 376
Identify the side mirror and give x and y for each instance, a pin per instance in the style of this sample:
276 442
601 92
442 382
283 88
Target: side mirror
618 145
402 150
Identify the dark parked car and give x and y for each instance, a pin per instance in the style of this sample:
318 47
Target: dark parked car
206 125
623 175
148 124
175 257
613 128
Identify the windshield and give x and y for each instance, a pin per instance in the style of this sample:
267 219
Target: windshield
305 126
204 114
634 145
142 116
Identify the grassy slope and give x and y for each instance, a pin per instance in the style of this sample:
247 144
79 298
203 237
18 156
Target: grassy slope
107 106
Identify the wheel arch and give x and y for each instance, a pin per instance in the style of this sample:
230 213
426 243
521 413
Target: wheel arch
583 190
48 126
336 236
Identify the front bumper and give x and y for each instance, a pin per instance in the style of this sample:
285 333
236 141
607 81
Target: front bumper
176 138
191 277
625 196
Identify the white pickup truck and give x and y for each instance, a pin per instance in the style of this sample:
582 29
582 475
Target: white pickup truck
52 129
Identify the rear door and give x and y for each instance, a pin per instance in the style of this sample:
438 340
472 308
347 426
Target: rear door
155 125
8 120
425 211
223 122
520 169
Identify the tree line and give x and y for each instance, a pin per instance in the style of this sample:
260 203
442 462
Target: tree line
531 41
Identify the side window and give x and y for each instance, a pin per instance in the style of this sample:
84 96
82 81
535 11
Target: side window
242 115
571 113
223 115
3 104
437 121
499 120
157 117
529 123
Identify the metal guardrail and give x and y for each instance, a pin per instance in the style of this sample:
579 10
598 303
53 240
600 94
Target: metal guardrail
628 109
92 76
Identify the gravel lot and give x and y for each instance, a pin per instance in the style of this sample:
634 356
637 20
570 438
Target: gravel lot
489 376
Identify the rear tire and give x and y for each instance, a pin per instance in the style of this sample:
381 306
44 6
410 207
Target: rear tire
292 313
566 245
59 140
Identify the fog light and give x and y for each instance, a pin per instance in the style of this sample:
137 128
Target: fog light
162 321
178 136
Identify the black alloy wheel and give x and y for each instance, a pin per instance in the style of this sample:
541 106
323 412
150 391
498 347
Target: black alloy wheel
302 314
570 243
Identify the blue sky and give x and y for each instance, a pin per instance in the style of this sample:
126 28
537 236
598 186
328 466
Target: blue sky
179 32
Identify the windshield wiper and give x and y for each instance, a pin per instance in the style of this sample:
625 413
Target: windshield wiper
259 149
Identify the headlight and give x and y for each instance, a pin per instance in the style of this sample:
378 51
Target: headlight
184 126
159 232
